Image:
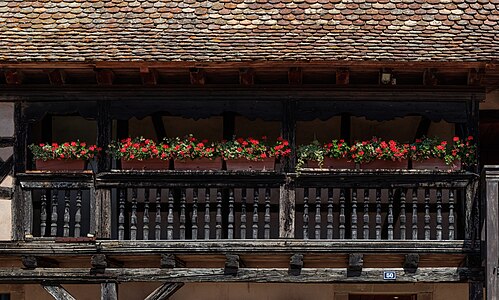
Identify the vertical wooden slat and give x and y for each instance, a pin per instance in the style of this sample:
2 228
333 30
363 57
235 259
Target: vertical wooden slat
103 209
77 232
20 160
366 215
403 216
218 216
43 213
194 219
452 233
378 214
243 213
330 218
287 207
133 217
414 213
182 217
66 217
266 226
390 214
354 215
255 214
104 133
230 218
207 218
492 237
318 217
157 227
342 214
427 214
439 215
109 291
54 215
121 216
169 218
305 214
145 217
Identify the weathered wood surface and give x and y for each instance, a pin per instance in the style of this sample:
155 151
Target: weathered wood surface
491 195
265 275
109 291
6 141
58 292
164 291
39 180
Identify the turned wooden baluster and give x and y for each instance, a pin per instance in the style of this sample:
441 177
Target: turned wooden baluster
354 215
255 214
427 214
403 216
243 213
305 214
318 217
194 219
218 216
439 214
330 214
77 232
365 218
414 213
133 217
266 226
182 217
378 214
230 217
43 214
207 218
121 216
66 217
390 214
54 216
145 217
169 218
452 233
342 214
157 227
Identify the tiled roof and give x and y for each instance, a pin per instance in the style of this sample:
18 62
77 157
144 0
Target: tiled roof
249 30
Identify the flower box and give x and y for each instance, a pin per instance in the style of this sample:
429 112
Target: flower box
243 164
145 164
381 164
200 164
332 163
436 164
61 165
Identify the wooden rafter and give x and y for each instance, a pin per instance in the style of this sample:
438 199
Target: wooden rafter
342 76
149 76
56 76
13 76
197 76
246 76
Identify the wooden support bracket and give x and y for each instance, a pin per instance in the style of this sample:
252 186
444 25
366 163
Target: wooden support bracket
99 263
56 76
31 262
295 264
104 76
165 291
149 77
13 76
411 262
197 76
476 76
430 77
231 264
58 292
355 264
246 76
342 76
295 76
170 261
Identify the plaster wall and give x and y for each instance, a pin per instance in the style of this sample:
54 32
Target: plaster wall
6 130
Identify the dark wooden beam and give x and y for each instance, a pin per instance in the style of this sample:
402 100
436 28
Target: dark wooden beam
56 76
170 261
411 262
423 128
295 264
104 133
20 138
104 76
32 262
342 76
246 76
165 291
491 215
295 76
476 76
346 127
231 264
355 264
197 76
6 142
6 167
149 77
13 76
430 77
57 291
109 291
159 126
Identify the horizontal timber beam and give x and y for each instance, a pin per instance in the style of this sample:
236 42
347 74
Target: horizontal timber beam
278 275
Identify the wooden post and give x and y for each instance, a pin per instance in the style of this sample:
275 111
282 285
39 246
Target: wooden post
103 212
287 201
109 291
58 292
19 209
491 234
289 133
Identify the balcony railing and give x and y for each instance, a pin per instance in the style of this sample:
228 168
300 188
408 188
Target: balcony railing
169 205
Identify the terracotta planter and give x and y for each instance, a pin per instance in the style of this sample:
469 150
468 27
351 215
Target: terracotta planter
60 165
332 163
146 164
435 164
201 164
243 164
381 164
